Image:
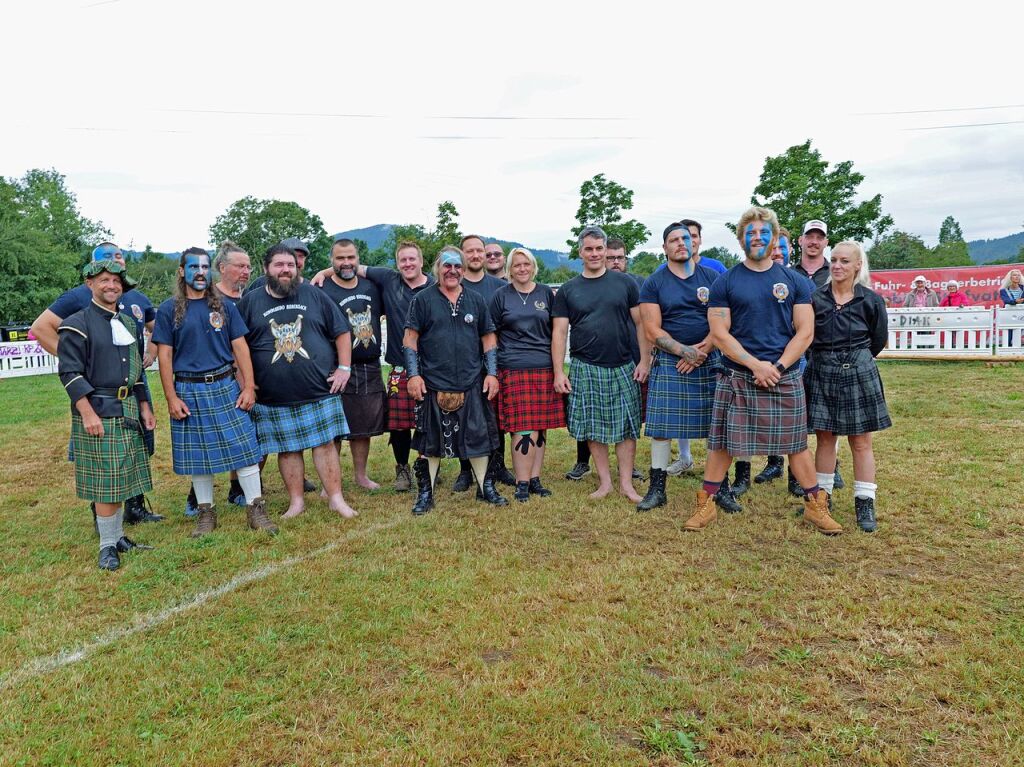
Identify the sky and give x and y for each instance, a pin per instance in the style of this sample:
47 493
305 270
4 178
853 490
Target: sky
162 114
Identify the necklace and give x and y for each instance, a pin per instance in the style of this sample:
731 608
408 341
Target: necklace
525 298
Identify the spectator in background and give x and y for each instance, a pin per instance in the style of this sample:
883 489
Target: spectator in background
1012 294
920 294
954 295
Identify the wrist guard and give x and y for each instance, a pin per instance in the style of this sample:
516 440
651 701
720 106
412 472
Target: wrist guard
412 361
491 362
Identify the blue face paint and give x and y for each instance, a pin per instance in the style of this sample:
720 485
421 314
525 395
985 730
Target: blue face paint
105 252
197 271
757 234
784 247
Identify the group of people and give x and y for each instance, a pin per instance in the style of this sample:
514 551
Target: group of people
476 350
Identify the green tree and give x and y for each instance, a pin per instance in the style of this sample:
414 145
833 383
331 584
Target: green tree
156 277
950 231
645 262
560 275
385 253
799 186
446 230
602 202
897 250
255 225
719 253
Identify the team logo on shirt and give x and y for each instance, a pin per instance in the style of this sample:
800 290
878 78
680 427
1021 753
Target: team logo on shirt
287 340
137 311
540 305
703 294
216 321
781 291
362 327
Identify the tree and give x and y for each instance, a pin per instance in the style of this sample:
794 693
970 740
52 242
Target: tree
385 253
645 262
719 253
950 231
446 231
255 225
897 250
601 204
560 276
798 186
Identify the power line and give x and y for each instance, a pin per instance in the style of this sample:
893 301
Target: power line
933 111
966 125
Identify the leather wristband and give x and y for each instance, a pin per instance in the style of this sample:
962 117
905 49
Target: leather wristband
491 362
412 361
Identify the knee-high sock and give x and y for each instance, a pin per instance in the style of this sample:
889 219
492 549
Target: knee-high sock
249 479
110 529
479 465
433 464
864 489
583 452
400 445
203 484
661 451
684 451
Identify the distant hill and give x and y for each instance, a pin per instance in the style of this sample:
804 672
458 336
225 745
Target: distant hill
985 251
373 236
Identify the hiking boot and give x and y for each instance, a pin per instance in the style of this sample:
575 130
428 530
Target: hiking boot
425 497
109 560
256 516
678 467
138 509
704 513
403 478
816 512
536 488
655 493
522 493
578 472
463 482
741 481
837 480
794 487
207 521
725 500
865 508
772 470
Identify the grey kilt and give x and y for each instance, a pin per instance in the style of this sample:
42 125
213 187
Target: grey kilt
845 393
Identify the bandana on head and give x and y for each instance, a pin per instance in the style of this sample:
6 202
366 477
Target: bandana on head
106 265
671 228
450 257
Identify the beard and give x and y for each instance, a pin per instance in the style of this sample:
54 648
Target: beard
345 273
284 290
759 254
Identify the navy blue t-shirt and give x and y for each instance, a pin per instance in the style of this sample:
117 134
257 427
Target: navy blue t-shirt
133 303
761 308
203 340
684 303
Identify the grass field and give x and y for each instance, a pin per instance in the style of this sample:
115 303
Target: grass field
560 632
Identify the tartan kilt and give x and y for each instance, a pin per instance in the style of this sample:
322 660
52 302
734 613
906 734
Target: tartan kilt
364 401
217 436
114 467
845 393
527 401
748 419
645 389
293 428
679 405
604 405
401 407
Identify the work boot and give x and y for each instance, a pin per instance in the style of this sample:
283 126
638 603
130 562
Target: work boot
772 470
109 560
425 497
207 521
464 481
500 471
837 480
741 482
725 500
578 472
522 493
256 516
816 512
137 509
865 508
536 488
794 487
656 492
403 478
704 513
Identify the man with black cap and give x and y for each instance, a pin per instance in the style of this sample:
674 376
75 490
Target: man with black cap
99 353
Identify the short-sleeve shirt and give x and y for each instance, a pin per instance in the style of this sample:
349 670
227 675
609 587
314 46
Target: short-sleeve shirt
226 298
291 341
362 307
397 296
598 310
486 288
760 305
713 264
203 340
683 303
523 322
450 350
133 303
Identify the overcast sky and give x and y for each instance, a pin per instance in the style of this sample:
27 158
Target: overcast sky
163 114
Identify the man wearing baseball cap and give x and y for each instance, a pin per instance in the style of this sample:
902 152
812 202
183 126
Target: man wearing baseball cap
813 242
921 295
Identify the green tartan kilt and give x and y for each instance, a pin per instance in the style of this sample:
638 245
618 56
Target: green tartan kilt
113 467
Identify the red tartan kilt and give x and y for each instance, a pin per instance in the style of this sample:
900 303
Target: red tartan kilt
527 401
401 407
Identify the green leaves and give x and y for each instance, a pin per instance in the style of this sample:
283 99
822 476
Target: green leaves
601 204
255 225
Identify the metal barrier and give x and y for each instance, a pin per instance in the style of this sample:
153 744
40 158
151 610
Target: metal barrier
939 331
1009 329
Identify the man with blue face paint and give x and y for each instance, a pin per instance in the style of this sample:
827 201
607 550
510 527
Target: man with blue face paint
761 319
674 308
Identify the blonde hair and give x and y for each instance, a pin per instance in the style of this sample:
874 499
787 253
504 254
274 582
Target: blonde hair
436 266
864 272
520 252
224 250
1006 279
758 214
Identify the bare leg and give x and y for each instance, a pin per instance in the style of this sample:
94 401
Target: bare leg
802 465
599 453
523 464
360 453
106 509
538 462
717 465
825 455
863 457
625 453
325 457
292 469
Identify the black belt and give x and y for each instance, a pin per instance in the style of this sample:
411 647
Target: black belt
121 392
208 378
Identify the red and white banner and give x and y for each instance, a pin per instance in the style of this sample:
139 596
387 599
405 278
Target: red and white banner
980 283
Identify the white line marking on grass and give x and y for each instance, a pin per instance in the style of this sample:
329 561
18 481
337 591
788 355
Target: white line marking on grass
48 663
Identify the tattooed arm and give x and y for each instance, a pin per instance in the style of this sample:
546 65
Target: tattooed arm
690 355
720 320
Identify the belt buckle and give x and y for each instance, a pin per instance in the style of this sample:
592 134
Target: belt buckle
209 378
122 392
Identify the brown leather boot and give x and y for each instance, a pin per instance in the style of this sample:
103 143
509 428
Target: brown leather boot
256 516
207 521
816 512
704 513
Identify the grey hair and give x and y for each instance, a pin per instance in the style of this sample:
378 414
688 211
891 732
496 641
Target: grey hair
224 250
593 231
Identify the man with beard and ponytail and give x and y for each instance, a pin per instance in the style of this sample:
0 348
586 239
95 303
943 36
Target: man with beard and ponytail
363 397
301 351
761 319
451 355
201 341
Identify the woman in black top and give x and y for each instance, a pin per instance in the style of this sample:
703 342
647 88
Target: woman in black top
844 391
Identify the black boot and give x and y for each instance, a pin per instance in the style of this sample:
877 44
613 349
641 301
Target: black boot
490 493
536 488
522 492
464 481
794 487
425 498
137 510
772 470
500 471
741 482
865 508
725 500
655 493
109 560
837 480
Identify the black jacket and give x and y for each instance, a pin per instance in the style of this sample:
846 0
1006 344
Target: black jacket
860 324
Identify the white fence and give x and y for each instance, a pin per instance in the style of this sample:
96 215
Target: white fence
1009 328
25 358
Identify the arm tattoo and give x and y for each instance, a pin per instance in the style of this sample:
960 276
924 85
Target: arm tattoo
666 344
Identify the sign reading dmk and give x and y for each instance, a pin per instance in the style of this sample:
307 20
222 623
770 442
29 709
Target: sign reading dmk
914 321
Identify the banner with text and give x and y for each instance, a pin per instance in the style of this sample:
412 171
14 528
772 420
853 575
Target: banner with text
980 283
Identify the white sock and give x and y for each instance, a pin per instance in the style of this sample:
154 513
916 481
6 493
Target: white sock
479 464
684 451
109 530
827 482
433 464
661 451
203 485
864 489
249 479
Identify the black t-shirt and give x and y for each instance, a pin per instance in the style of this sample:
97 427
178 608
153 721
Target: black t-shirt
486 288
362 308
683 302
292 343
450 351
598 313
397 296
226 298
524 327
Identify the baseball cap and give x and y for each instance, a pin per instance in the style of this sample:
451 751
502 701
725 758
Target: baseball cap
816 224
920 277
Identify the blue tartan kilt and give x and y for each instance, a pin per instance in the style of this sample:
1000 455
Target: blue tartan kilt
293 428
679 406
217 436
